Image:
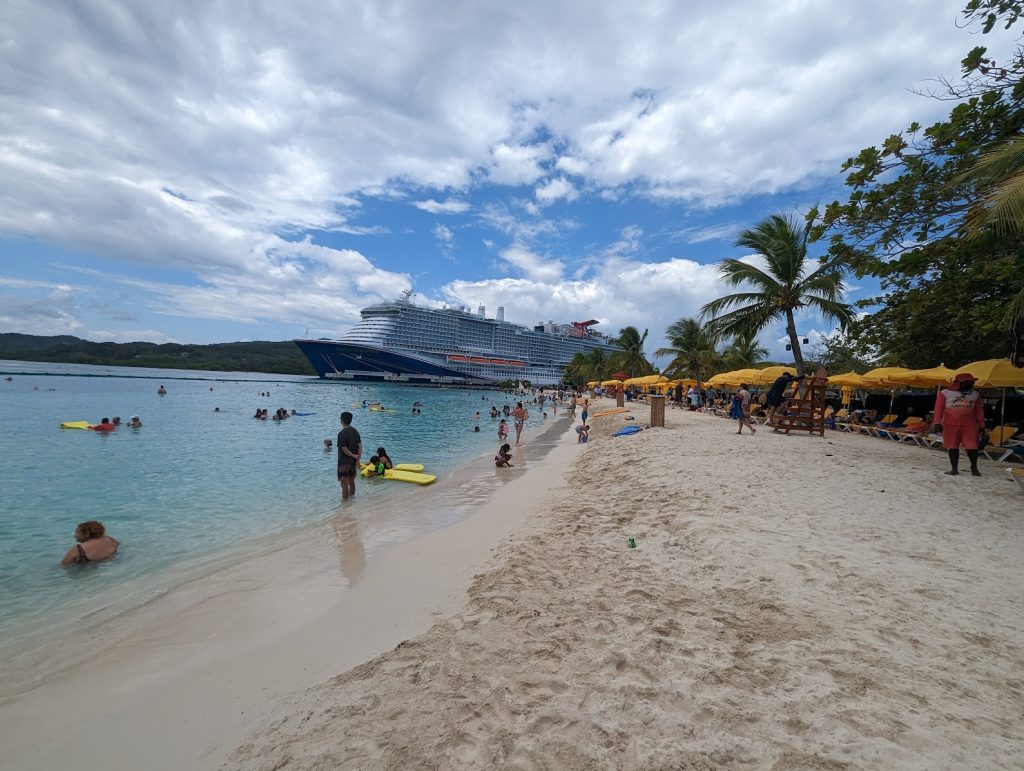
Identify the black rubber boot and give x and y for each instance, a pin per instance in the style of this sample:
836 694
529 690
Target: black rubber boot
954 462
972 455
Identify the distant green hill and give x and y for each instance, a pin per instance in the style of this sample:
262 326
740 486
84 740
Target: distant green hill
282 358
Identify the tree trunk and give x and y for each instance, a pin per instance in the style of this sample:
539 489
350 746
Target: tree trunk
794 341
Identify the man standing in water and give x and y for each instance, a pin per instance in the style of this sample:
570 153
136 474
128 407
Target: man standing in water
350 449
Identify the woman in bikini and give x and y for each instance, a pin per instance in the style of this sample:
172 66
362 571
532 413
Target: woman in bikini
93 544
519 415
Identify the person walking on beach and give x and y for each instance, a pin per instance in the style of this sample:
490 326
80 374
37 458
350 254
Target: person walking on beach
350 449
960 417
741 409
520 415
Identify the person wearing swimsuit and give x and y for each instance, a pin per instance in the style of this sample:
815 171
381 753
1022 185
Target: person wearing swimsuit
93 544
520 415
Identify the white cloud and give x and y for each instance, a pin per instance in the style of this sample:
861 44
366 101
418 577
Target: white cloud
555 189
445 237
517 165
209 142
450 206
533 266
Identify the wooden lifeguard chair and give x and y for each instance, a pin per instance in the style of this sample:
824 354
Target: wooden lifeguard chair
805 410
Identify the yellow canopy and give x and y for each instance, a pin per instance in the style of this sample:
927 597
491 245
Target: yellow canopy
768 375
645 380
593 383
847 379
925 378
607 383
733 378
882 377
994 373
847 392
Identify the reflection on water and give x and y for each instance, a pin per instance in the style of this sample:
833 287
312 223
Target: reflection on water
349 544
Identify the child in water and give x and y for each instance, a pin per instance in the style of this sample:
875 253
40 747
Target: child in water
502 430
384 458
377 468
503 457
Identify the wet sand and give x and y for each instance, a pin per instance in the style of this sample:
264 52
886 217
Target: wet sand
792 603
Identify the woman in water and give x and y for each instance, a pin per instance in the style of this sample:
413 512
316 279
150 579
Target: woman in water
93 544
384 458
519 415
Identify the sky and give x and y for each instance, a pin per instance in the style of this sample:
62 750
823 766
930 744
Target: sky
204 171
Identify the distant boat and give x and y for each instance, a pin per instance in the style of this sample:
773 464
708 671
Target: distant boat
403 342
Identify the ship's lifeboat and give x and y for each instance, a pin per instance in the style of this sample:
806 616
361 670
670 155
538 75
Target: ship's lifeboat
512 363
498 361
453 357
479 360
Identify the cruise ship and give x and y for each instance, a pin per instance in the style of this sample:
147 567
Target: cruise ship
403 342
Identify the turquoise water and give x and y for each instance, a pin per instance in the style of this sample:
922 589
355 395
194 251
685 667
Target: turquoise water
191 482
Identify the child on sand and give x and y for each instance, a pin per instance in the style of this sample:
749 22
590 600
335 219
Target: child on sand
503 457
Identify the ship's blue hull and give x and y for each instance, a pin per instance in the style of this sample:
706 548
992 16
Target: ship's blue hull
348 361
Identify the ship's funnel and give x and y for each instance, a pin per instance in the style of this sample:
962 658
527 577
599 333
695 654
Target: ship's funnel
480 312
501 313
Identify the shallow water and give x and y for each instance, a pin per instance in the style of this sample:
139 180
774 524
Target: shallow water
193 483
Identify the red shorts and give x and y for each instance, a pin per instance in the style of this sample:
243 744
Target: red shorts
954 436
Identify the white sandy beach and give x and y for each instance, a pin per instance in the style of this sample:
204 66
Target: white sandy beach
794 602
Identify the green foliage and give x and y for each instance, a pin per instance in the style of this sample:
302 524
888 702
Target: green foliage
631 359
790 282
273 357
692 347
743 351
936 214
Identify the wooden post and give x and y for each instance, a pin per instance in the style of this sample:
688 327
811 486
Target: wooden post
657 411
620 399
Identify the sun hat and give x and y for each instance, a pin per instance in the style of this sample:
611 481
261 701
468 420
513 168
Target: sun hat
964 376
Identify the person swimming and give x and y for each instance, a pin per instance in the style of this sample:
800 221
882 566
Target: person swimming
92 544
136 423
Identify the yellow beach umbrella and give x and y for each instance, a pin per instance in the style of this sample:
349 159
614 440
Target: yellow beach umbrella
609 383
646 380
994 373
882 377
847 392
593 383
926 378
734 378
768 375
847 380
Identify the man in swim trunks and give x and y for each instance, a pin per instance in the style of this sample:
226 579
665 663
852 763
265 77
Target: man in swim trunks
960 415
350 449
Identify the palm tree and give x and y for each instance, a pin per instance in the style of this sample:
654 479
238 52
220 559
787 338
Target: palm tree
780 290
998 175
598 364
692 348
576 370
631 359
743 351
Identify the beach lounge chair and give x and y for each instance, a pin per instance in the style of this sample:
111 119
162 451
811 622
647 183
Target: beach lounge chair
840 420
999 443
911 429
884 423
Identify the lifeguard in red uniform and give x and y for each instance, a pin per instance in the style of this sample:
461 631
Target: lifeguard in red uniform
960 414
